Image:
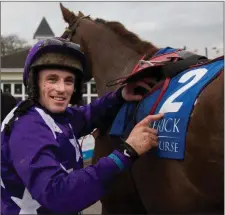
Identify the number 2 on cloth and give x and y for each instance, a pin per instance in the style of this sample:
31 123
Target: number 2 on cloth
169 105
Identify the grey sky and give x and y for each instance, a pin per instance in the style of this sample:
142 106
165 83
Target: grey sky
194 24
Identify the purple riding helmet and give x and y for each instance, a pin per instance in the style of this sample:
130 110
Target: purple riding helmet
54 53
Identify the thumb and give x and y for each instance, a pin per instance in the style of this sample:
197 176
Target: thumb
147 120
136 97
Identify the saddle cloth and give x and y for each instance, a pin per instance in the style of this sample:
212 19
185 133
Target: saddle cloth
177 104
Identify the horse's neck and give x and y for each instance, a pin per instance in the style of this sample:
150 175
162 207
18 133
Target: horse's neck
109 57
120 65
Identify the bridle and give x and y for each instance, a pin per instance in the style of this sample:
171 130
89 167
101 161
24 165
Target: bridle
69 33
71 30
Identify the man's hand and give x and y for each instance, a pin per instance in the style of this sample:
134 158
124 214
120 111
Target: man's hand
129 89
142 138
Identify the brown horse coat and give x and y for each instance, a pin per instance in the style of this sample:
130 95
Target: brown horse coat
156 185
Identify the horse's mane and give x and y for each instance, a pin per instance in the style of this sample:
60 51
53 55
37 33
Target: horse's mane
131 39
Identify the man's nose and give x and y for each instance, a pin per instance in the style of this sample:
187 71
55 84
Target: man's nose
61 86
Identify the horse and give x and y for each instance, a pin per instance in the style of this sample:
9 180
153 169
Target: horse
154 185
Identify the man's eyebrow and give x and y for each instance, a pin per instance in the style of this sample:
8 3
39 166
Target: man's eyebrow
70 77
52 75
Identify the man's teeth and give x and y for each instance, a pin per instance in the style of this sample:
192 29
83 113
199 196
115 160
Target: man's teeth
58 98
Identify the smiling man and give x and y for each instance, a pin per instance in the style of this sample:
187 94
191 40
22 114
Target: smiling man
56 101
41 164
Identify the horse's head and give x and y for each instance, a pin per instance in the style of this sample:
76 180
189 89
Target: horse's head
111 49
71 34
73 21
75 35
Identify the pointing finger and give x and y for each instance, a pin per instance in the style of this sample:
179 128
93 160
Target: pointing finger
147 120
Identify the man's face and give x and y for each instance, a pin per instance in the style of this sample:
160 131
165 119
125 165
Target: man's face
56 88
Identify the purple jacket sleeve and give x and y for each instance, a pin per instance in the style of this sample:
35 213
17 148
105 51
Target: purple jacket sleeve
97 114
34 156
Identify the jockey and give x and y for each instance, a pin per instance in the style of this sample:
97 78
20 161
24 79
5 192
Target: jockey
41 160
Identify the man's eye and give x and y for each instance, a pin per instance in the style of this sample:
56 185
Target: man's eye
53 80
69 82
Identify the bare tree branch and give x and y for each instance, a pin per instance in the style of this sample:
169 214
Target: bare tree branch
12 43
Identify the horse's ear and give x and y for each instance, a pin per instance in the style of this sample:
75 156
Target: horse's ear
68 16
80 14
